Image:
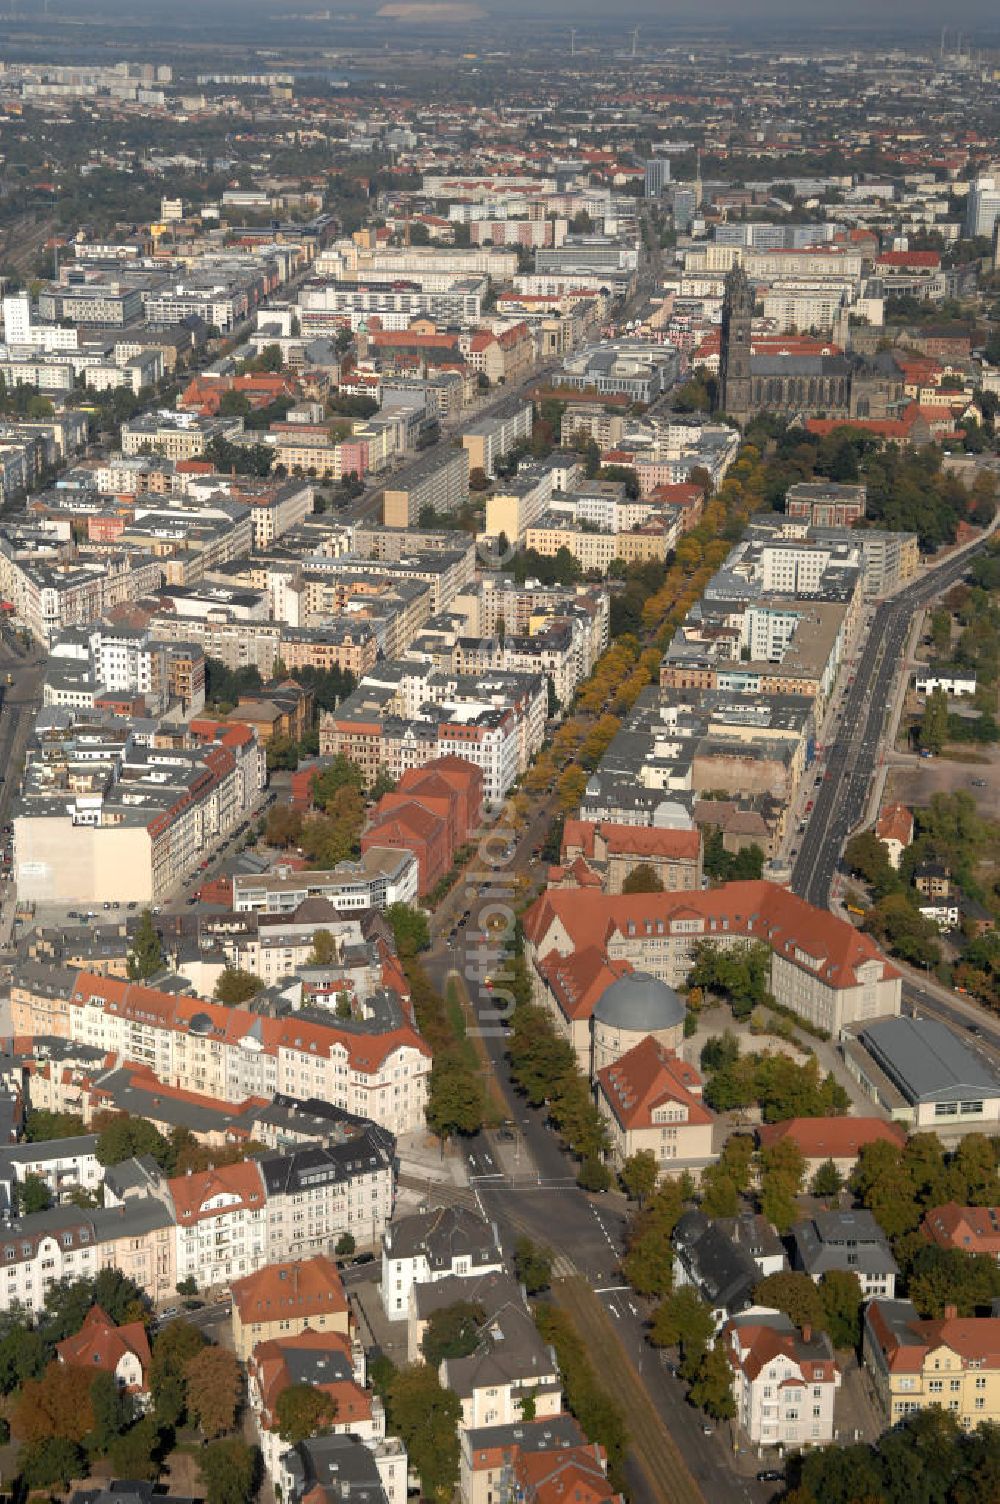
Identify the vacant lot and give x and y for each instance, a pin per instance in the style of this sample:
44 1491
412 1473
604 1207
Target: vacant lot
914 781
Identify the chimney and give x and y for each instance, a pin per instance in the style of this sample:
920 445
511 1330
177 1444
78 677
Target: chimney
950 1313
807 1332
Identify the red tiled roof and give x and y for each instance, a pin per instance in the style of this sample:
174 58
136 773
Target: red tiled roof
577 981
792 928
99 1344
831 1138
895 823
974 1229
240 1185
300 1287
632 840
646 1077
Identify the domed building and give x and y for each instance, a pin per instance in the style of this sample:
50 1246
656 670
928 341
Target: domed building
635 1005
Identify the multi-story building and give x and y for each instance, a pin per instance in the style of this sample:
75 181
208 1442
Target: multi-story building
823 504
821 967
851 1241
177 435
381 876
952 1362
285 1299
432 1245
785 1381
316 1195
651 1101
139 819
438 482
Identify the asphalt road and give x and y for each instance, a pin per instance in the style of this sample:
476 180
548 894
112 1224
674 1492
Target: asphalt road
853 756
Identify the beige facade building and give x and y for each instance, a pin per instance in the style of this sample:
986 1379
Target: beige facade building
952 1363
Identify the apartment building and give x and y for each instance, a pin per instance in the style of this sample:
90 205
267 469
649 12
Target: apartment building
50 593
39 1250
851 1241
491 439
517 505
438 482
374 1066
433 1245
139 819
541 1462
382 876
316 1194
952 1362
286 1299
785 1382
329 1364
84 666
176 435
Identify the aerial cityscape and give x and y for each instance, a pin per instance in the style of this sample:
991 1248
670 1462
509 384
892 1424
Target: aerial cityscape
499 753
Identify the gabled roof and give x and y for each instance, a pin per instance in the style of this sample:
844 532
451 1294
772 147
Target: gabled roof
99 1344
648 1077
975 1229
577 981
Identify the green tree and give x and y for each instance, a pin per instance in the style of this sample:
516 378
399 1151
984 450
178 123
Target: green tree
933 732
719 1052
827 1181
68 1301
642 879
883 1183
796 1295
684 1320
113 1408
841 1294
639 1175
345 1245
532 1265
145 958
236 986
302 1411
324 951
782 1172
52 1462
125 1137
456 1102
712 1388
230 1471
33 1195
173 1348
24 1354
452 1332
648 1261
426 1417
138 1453
409 928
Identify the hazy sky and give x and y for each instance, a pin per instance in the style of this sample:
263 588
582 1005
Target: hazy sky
887 14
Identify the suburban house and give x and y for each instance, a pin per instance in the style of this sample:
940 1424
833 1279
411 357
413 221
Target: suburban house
101 1347
723 1271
